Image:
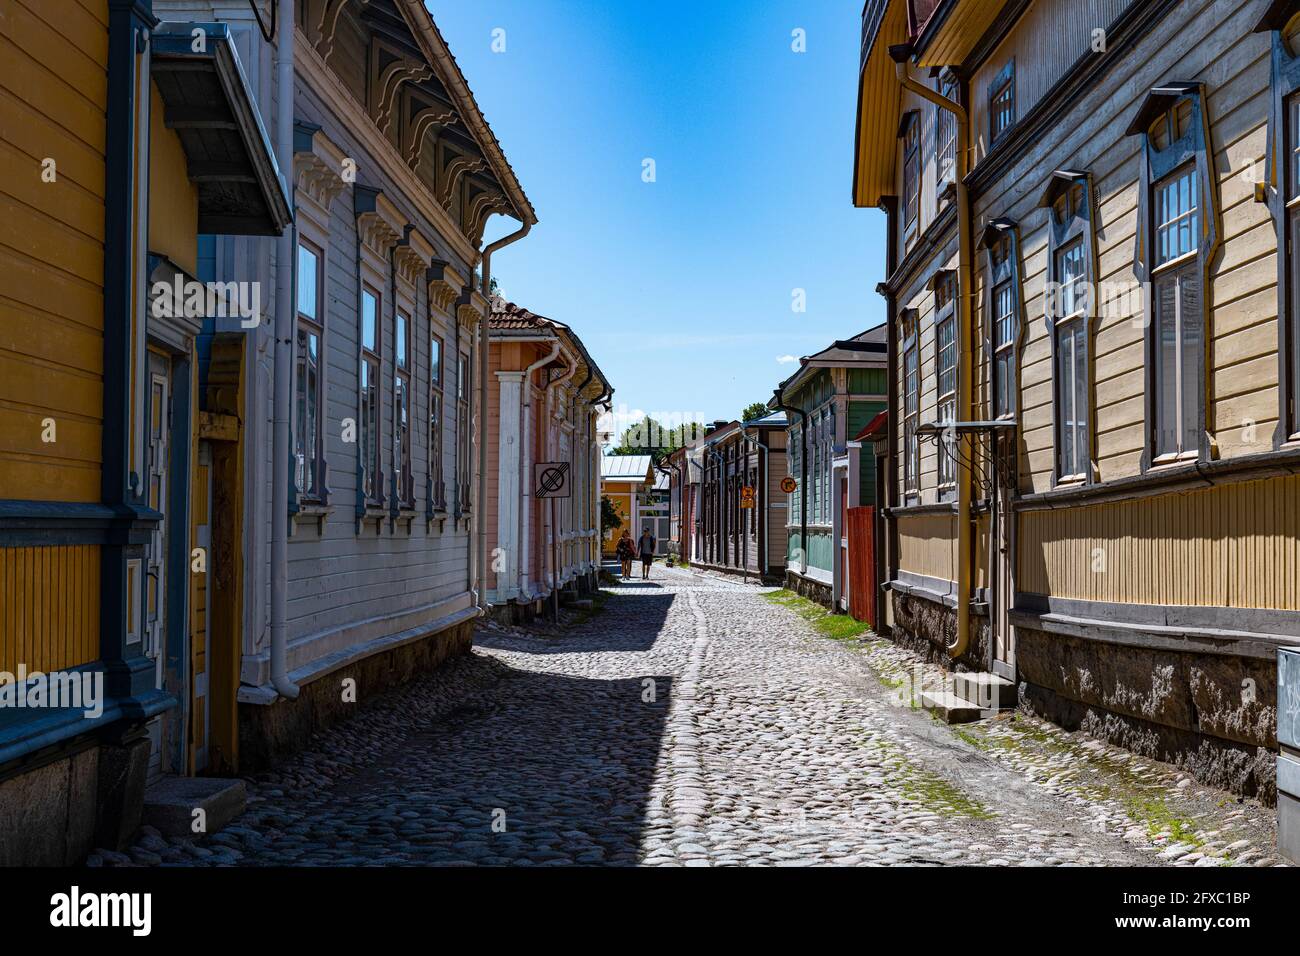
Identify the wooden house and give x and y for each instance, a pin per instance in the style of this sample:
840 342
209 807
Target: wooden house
1092 315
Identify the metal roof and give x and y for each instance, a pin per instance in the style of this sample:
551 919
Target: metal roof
626 467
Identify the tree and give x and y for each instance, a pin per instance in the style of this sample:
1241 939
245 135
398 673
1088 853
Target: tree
649 437
609 516
756 410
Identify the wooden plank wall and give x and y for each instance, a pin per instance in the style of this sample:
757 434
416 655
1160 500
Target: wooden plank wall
1234 545
1202 40
54 90
927 544
49 618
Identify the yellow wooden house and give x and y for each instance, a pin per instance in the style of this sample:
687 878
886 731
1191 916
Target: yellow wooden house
122 139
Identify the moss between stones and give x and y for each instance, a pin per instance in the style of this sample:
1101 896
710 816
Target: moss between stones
837 627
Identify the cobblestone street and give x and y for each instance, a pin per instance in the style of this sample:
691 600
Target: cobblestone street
691 722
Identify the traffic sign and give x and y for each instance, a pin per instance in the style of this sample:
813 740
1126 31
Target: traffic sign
788 485
551 479
747 496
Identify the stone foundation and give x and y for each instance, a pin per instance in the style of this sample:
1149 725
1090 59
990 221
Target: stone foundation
927 628
1213 715
89 794
809 588
269 733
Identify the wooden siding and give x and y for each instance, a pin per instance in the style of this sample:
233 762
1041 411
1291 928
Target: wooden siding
1235 545
49 619
927 544
173 199
1205 41
54 88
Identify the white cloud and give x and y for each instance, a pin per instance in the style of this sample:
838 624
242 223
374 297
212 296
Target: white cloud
786 359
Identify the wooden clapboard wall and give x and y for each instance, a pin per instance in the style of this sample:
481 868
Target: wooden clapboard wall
1235 545
53 82
927 544
49 618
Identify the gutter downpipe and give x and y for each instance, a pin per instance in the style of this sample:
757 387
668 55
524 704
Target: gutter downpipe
283 395
478 560
965 245
780 405
526 465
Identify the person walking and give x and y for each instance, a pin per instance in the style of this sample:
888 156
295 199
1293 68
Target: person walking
625 550
647 548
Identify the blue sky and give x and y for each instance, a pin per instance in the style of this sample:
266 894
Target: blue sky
681 288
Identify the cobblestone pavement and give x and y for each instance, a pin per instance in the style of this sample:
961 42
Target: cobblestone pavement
690 722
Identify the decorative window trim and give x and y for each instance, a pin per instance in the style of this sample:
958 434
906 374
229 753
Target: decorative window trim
909 129
910 344
1284 85
945 450
410 263
1000 273
1078 225
1006 79
948 86
299 501
1155 165
445 286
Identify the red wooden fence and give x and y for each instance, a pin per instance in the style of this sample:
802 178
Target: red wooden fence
862 564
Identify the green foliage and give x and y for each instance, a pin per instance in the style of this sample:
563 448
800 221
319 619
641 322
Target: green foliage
609 517
649 437
756 410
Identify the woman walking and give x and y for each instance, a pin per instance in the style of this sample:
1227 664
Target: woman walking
647 548
625 550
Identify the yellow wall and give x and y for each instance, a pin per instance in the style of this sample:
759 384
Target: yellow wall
927 544
49 617
1235 545
54 88
621 494
173 199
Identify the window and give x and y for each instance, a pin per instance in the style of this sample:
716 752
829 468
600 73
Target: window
1176 296
1070 330
911 173
1004 315
945 373
402 411
307 400
368 426
438 494
911 408
464 445
1002 101
946 133
1291 353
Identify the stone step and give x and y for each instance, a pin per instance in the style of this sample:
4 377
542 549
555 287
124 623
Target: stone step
985 690
951 708
169 804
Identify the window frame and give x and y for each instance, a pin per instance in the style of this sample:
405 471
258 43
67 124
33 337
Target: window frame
911 407
1004 82
1158 166
1070 204
436 486
909 133
315 324
464 436
945 131
1001 244
403 438
370 475
945 314
1281 190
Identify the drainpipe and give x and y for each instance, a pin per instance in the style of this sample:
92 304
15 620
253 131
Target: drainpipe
283 396
779 405
526 463
965 240
478 571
